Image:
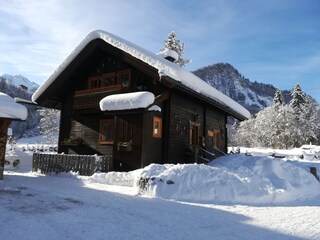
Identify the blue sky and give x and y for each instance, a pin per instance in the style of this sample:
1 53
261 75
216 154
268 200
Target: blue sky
271 41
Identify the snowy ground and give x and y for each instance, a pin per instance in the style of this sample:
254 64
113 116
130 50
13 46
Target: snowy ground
68 206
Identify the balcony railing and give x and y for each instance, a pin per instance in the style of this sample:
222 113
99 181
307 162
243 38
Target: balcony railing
90 98
97 90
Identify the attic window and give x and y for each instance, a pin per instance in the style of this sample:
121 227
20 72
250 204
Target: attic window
107 79
94 82
124 78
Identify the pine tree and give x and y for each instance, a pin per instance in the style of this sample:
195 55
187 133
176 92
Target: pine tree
173 43
278 99
282 126
299 98
302 122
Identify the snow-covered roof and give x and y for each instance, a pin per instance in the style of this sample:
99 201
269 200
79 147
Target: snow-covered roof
126 101
164 67
10 109
169 53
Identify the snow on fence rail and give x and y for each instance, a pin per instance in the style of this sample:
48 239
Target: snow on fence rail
37 147
84 164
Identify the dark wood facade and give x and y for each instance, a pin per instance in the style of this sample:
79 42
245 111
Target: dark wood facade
4 124
134 138
191 124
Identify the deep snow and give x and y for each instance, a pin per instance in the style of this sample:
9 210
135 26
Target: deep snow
10 109
127 101
68 206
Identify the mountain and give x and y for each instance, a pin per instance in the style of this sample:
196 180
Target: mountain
11 86
252 95
19 80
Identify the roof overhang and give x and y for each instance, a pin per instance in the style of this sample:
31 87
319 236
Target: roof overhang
51 93
204 98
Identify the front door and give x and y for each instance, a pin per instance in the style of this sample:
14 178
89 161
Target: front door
194 133
128 142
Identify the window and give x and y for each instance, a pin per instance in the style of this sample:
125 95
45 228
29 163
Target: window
124 78
106 135
194 133
94 82
157 127
215 136
107 79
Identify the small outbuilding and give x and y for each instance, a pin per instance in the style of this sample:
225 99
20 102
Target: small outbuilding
136 107
9 111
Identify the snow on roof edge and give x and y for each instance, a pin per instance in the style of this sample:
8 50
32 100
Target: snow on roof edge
164 66
10 109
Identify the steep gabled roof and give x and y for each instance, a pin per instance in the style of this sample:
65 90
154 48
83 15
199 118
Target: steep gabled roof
165 68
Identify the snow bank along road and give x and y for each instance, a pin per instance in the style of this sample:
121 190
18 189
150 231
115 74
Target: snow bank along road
33 206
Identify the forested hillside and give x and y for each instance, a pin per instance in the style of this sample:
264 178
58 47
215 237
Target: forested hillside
252 95
31 126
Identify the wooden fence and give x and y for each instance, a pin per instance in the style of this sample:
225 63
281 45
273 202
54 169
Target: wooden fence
84 164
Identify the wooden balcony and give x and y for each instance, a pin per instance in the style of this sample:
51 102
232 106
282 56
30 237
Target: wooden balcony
98 90
90 98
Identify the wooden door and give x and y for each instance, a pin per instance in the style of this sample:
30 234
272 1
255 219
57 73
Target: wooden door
194 133
128 142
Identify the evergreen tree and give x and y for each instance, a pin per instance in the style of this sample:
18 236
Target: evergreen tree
278 99
282 126
299 98
3 85
173 43
301 117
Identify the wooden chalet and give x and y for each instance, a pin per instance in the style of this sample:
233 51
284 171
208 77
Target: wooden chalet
120 100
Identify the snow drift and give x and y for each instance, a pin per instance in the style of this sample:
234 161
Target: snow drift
235 179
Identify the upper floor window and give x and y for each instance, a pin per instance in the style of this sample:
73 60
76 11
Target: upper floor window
107 79
124 78
94 82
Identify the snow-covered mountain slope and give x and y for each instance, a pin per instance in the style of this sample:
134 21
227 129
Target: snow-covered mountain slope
252 95
18 80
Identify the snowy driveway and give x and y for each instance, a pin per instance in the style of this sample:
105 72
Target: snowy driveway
48 207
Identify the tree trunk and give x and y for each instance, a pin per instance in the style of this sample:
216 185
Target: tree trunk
4 124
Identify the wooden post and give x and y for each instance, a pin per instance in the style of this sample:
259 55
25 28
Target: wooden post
4 124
